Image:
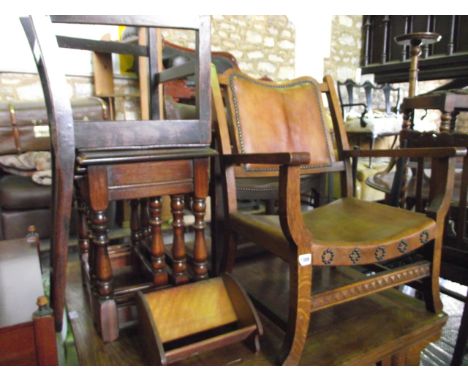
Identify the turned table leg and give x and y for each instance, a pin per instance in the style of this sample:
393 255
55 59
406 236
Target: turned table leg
158 263
200 255
179 256
104 306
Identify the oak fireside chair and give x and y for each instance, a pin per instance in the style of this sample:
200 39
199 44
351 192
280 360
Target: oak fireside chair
347 232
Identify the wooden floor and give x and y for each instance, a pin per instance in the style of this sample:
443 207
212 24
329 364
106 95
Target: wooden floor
396 319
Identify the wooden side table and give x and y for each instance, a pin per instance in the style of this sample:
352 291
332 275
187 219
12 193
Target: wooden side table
449 102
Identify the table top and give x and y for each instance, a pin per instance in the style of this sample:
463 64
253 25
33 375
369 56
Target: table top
416 38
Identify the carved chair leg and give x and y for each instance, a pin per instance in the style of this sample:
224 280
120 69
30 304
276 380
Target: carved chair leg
431 288
300 282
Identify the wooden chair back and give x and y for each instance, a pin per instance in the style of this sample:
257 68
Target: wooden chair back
288 116
367 96
458 236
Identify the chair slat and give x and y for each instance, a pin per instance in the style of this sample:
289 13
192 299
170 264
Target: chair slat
151 134
176 72
99 46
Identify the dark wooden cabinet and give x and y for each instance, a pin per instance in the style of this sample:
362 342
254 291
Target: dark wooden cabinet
389 62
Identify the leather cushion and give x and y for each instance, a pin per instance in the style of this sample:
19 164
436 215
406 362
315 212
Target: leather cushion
21 193
279 117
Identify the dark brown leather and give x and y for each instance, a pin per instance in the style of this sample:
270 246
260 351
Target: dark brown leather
14 224
279 117
21 193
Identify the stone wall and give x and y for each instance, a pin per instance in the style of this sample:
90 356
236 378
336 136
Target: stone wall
27 87
262 45
345 49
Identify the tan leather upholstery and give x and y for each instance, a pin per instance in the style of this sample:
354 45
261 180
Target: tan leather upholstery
279 117
348 231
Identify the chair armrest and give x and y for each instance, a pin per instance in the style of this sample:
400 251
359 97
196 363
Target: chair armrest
281 158
430 152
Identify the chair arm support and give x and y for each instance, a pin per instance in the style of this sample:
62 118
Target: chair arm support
281 158
432 152
441 188
291 220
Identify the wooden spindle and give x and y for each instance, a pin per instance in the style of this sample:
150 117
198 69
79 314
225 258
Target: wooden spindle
179 257
200 253
104 286
200 258
158 263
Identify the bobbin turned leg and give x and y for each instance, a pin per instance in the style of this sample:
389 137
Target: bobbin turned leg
104 306
200 256
158 263
179 257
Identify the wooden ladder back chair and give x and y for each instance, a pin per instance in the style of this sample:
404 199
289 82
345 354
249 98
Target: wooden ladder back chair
370 111
415 194
347 232
125 160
